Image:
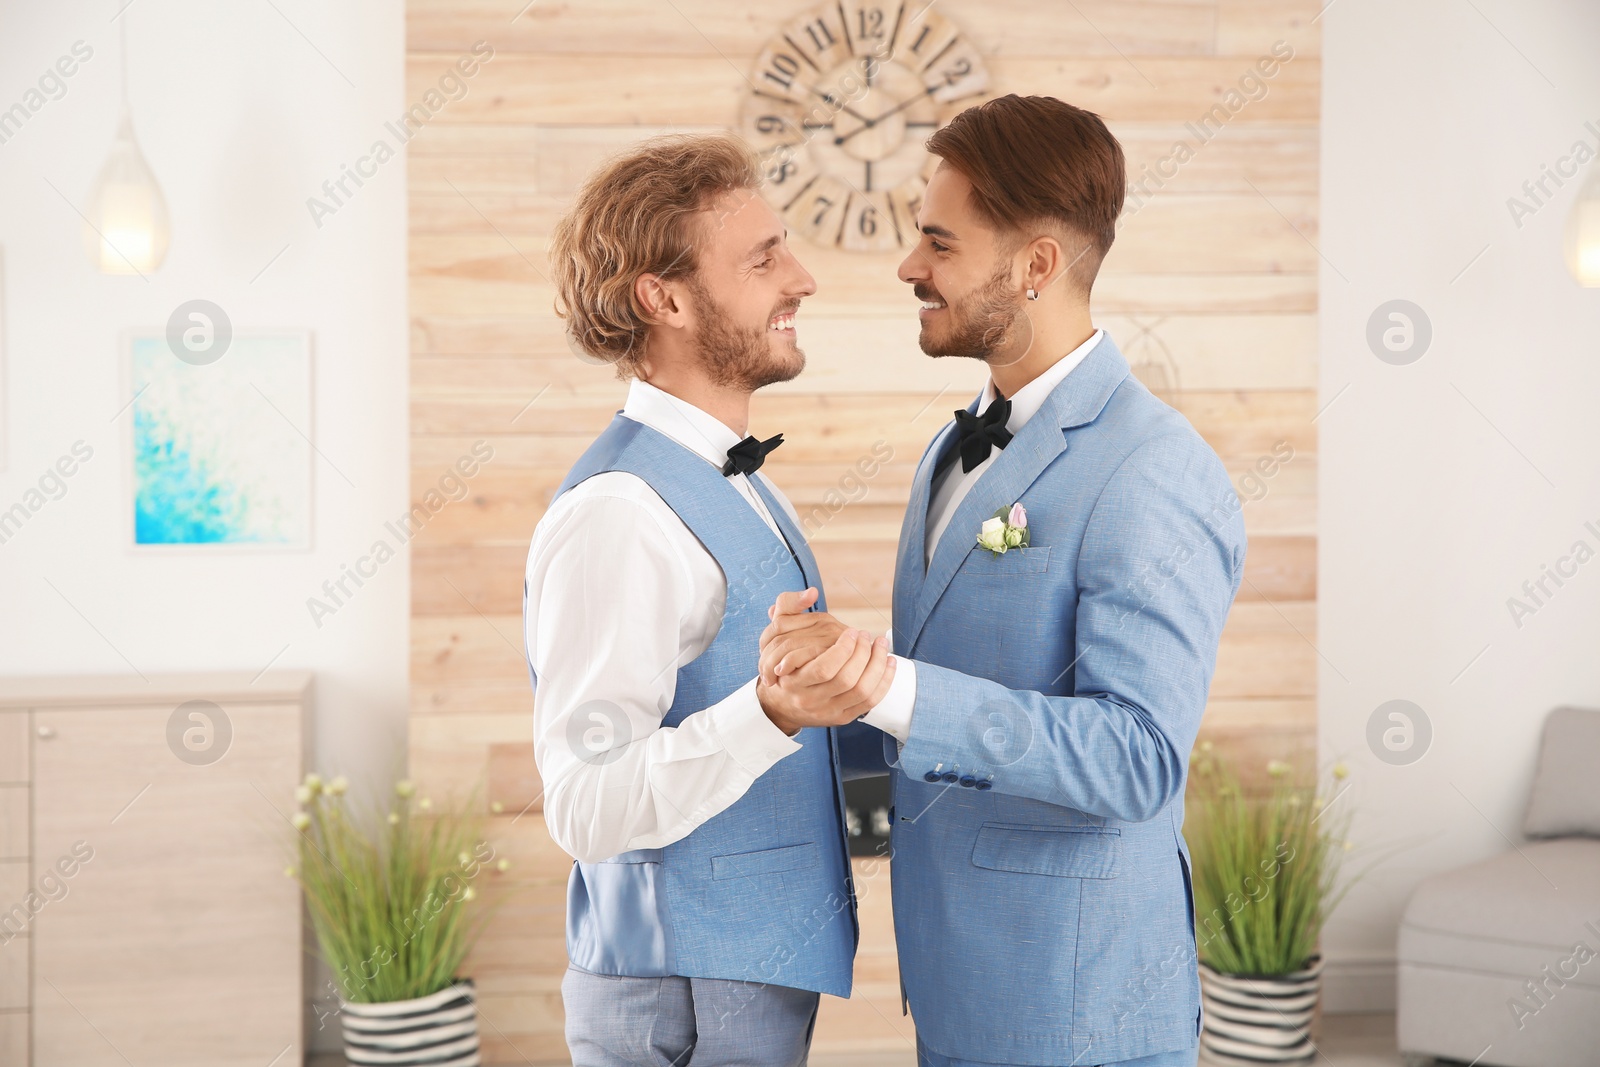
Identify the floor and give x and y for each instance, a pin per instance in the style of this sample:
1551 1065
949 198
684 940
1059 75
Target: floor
1347 1041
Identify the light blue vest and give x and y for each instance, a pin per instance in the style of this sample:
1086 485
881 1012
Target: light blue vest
762 891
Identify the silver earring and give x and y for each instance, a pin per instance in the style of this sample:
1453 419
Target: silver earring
1033 294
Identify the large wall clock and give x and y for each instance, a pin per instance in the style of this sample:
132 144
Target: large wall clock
840 104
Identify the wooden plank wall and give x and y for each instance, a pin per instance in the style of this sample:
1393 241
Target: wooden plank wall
1210 289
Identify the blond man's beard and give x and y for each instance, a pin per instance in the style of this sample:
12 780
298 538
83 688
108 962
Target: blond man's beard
734 356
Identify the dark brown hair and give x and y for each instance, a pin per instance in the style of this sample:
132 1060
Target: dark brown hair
1036 160
635 216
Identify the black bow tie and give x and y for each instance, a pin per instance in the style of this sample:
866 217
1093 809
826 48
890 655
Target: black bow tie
747 456
978 435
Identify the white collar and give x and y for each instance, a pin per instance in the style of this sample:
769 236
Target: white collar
699 431
1031 397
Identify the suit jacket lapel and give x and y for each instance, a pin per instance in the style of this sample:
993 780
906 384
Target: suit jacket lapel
1022 461
1079 398
909 566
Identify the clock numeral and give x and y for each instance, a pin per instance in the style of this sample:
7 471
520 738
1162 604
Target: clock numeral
781 170
788 172
904 201
870 224
782 71
870 26
821 37
956 71
818 211
957 74
775 130
768 120
867 221
924 39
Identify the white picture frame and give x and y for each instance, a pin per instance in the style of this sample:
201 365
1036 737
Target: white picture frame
219 457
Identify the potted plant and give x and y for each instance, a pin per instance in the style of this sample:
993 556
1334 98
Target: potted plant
391 895
1266 867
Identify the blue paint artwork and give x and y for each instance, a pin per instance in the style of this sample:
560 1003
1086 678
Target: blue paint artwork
221 451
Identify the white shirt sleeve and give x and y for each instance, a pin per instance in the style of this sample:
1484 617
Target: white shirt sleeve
615 606
892 714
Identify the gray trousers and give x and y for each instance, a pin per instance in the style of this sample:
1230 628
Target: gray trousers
685 1022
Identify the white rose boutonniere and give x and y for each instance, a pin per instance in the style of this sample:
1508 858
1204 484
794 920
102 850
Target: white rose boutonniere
1006 530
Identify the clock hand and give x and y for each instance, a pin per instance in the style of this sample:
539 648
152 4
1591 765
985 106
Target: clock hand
835 102
869 123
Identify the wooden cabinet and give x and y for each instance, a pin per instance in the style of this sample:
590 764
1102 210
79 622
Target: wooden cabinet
145 916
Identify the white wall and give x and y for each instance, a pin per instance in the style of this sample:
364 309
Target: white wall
241 120
1447 483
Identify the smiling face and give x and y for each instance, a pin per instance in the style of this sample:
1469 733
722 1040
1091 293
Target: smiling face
744 293
963 270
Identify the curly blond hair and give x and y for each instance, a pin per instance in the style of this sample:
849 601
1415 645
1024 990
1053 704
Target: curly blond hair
636 216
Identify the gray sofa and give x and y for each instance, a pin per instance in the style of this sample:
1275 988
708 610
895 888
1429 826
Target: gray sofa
1499 962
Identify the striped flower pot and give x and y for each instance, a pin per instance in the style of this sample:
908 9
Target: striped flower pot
440 1030
1253 1021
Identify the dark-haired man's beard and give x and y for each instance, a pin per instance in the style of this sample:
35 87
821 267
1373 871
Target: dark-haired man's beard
741 357
984 322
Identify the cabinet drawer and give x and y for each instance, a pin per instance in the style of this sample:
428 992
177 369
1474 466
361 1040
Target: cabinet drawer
13 746
13 1037
180 936
13 822
13 976
15 918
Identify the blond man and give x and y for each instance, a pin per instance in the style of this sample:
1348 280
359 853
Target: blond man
711 900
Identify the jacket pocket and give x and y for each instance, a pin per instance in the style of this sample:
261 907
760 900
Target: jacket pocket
1078 852
1033 560
767 861
638 855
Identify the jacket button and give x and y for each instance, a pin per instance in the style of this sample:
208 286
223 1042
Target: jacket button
931 776
967 781
950 776
984 785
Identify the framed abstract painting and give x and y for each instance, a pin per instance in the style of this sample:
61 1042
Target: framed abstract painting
220 455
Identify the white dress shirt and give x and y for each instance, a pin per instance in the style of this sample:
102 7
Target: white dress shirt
893 717
621 594
955 483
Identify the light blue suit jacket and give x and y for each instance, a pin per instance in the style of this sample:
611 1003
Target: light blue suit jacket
1042 902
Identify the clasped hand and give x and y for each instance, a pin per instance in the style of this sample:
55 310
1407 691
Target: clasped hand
815 671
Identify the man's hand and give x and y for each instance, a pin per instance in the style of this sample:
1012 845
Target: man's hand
795 636
839 686
817 672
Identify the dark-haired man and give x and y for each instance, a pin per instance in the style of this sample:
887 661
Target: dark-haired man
1068 558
